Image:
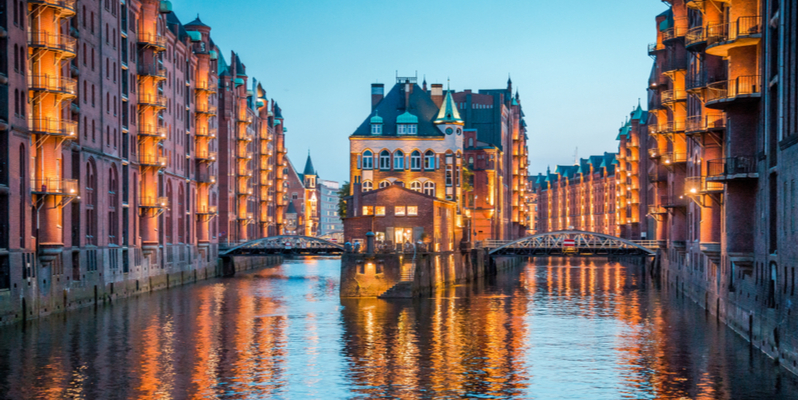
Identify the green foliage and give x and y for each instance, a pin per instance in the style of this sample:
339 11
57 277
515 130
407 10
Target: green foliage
343 192
466 179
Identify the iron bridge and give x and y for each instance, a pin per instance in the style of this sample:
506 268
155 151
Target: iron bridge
582 244
285 245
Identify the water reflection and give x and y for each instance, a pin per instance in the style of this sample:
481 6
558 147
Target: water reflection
549 330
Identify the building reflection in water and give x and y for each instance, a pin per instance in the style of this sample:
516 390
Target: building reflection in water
553 329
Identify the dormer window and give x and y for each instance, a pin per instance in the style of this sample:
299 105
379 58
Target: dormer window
377 124
407 129
377 129
407 124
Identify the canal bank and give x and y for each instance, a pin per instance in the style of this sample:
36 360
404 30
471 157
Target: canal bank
46 292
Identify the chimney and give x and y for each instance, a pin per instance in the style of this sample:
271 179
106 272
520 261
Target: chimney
377 94
409 87
436 94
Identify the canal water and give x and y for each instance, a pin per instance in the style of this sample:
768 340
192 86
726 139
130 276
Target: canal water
548 330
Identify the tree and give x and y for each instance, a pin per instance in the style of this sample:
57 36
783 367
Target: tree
343 192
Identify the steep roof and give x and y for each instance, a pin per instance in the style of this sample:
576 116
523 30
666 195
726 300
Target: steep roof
393 105
309 169
291 209
197 22
448 112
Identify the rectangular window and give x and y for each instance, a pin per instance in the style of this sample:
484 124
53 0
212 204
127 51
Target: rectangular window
366 210
399 211
412 211
380 211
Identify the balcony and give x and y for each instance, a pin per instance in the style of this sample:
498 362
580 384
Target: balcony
703 123
55 187
657 177
208 109
696 38
675 62
154 202
153 161
247 119
155 71
206 178
244 155
672 96
675 32
739 90
205 86
245 217
207 156
65 8
65 45
674 201
696 185
726 169
745 31
207 210
670 159
153 100
654 48
655 209
156 132
206 132
65 87
54 127
159 43
244 137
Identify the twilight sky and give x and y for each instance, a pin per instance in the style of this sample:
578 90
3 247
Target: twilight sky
580 66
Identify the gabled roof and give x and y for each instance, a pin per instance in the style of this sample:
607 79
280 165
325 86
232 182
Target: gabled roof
394 105
640 114
448 112
197 22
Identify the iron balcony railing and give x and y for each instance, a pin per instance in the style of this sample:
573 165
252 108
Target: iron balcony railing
673 158
153 161
245 155
727 32
64 5
206 132
696 185
153 100
671 96
157 71
723 167
207 210
154 202
205 86
703 123
53 41
56 84
206 177
674 201
675 61
677 31
245 137
206 109
209 156
54 186
152 39
149 130
652 48
748 85
695 36
53 127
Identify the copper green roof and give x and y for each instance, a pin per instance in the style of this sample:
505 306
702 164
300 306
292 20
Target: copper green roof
448 112
407 118
376 119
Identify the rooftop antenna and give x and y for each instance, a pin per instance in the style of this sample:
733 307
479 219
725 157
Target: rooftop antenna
576 156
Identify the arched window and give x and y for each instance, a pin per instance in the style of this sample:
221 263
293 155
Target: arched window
385 160
91 203
471 162
430 188
416 160
366 186
112 205
181 213
384 184
416 186
399 157
430 161
366 160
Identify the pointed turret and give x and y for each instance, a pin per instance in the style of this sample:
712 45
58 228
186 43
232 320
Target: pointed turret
309 169
448 112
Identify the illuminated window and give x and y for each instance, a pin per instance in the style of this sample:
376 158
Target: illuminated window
366 160
411 211
366 210
366 186
380 211
430 161
385 160
430 189
416 160
416 186
400 211
399 157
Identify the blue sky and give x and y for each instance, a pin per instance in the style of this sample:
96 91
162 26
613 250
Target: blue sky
580 66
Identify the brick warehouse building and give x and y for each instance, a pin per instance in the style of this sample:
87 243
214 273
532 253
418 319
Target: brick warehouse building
110 141
416 138
723 140
578 197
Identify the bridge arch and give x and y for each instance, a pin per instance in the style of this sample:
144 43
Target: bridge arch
585 243
284 244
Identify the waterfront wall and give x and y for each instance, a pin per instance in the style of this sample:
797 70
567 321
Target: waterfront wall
399 275
47 293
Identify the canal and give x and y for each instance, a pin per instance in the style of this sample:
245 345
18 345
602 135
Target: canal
546 330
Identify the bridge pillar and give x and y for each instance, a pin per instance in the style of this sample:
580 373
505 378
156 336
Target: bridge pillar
228 266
